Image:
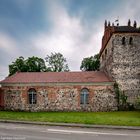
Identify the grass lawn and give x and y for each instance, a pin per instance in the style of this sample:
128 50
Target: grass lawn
126 118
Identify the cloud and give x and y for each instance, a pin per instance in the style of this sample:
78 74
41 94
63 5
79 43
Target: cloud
127 9
8 44
68 36
74 39
3 71
8 51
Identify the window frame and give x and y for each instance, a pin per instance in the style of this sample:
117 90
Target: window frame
84 96
32 96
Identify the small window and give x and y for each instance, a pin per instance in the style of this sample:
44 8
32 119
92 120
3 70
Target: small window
123 41
130 41
32 96
84 96
105 52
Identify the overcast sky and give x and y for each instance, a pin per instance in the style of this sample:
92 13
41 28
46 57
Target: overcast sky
71 27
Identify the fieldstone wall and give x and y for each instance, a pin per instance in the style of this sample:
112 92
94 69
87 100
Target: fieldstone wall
12 99
104 100
60 98
122 63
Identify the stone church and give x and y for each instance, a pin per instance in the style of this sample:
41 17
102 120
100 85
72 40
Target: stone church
81 91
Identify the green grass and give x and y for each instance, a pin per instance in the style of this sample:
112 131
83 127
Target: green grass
125 118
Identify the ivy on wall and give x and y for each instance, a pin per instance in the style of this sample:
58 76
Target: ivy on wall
121 99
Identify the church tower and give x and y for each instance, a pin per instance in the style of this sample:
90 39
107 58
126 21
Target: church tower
120 57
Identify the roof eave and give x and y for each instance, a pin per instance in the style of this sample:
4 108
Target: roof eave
58 83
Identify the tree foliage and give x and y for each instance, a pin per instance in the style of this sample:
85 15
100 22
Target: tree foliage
90 63
56 62
32 64
35 64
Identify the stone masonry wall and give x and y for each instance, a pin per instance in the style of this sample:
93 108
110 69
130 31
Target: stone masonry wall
60 98
123 63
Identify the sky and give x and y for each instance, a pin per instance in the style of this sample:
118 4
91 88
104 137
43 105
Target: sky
72 27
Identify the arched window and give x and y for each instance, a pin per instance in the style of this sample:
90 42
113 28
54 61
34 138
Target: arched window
32 96
123 41
130 41
84 96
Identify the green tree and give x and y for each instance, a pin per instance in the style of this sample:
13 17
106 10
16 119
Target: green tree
35 64
56 62
32 64
18 65
90 63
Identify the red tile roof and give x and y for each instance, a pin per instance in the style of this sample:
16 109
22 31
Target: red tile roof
57 77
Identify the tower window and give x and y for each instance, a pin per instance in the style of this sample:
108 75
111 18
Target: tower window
123 41
106 52
84 96
32 96
130 41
